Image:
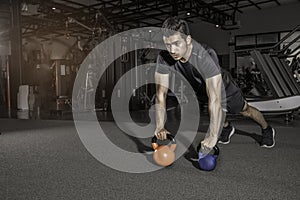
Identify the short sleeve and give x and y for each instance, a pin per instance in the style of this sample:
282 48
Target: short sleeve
207 62
163 63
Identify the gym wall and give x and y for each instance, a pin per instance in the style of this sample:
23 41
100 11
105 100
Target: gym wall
274 19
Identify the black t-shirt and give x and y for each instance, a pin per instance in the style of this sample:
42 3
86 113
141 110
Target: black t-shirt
202 64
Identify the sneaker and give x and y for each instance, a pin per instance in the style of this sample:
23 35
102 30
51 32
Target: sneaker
226 134
268 137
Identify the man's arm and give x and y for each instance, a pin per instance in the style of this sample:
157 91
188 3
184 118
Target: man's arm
214 93
162 85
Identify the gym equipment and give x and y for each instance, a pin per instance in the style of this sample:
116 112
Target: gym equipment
272 63
8 86
284 87
278 77
22 100
63 78
208 162
277 105
164 155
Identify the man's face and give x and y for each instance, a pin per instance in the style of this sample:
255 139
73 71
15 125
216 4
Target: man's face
176 45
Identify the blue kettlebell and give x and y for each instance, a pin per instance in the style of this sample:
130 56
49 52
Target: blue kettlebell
208 162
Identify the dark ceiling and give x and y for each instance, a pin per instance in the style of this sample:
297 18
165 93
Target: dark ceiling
85 17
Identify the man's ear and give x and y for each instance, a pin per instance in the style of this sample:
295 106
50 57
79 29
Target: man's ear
188 39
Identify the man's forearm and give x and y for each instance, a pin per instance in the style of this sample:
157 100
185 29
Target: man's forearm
160 107
213 86
162 85
216 116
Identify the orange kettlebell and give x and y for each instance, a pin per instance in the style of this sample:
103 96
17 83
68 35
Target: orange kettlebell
164 155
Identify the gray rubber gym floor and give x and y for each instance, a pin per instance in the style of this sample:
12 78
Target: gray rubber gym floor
45 159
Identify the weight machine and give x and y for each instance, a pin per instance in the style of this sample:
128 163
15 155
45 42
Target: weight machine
284 87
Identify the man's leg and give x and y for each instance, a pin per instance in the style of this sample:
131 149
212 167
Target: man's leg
234 104
253 113
268 133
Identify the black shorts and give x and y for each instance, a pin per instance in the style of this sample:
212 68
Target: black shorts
235 102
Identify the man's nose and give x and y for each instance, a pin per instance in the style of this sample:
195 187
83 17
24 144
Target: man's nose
172 49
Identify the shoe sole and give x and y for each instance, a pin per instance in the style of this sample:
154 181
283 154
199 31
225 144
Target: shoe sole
231 133
266 146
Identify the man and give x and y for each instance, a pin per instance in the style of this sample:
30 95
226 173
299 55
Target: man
183 55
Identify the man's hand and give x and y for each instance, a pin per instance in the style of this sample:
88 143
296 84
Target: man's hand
208 144
162 134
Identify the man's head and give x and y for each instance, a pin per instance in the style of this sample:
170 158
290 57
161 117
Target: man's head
176 36
175 24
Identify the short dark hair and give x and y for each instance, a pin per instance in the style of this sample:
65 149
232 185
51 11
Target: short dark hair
175 24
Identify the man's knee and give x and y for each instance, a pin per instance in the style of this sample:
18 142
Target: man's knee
246 111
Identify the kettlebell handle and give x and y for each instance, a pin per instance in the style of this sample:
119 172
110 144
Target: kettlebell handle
217 150
169 137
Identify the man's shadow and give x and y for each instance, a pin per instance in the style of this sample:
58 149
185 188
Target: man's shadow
171 124
191 153
143 145
254 136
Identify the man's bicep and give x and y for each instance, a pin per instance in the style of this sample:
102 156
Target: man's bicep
213 85
162 82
